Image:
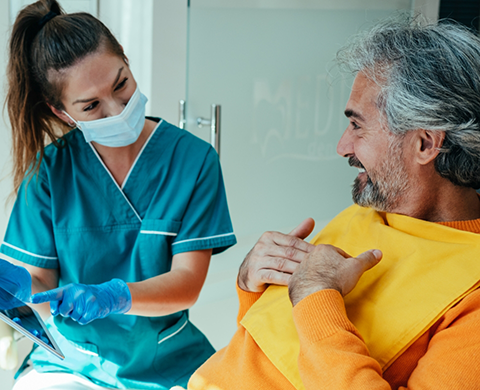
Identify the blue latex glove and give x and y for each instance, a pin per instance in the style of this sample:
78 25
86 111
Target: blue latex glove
84 303
17 281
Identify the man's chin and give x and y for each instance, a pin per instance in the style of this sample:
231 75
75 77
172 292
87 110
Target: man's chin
367 195
369 205
358 189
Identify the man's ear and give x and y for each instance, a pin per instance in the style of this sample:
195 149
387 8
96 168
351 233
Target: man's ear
428 144
60 114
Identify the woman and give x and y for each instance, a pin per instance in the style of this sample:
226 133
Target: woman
122 212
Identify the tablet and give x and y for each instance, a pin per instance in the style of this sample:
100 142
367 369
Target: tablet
27 321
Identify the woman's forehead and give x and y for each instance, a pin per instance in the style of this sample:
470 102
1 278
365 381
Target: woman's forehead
94 74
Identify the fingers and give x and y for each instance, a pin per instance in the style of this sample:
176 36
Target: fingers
89 310
85 318
60 301
285 240
78 311
274 258
47 296
369 258
329 267
304 229
281 264
54 307
336 249
270 276
65 308
276 252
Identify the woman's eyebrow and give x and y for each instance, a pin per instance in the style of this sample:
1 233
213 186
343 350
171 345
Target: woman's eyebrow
118 76
119 73
84 100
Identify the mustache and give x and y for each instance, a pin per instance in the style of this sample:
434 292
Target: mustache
355 162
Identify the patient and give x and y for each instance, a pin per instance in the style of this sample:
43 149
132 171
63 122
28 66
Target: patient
413 319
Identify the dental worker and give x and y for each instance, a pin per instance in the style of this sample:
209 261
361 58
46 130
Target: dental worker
115 220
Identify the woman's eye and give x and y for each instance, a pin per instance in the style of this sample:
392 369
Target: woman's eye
121 84
91 106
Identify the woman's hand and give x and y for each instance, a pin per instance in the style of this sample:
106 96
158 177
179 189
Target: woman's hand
17 281
85 303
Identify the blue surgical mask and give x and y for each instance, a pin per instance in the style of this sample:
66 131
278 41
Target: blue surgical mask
119 130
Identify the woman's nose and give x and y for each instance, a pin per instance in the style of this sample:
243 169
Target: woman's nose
113 108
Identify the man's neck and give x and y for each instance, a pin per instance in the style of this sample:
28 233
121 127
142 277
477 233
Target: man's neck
443 203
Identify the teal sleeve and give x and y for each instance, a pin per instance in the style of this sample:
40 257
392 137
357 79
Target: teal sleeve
206 223
29 237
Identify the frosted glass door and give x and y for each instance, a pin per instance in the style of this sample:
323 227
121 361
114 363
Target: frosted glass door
269 65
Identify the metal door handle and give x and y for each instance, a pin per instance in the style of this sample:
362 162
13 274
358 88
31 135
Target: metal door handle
214 123
182 120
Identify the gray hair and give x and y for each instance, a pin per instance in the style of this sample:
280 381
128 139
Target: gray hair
429 78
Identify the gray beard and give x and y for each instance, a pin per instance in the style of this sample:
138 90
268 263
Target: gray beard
389 183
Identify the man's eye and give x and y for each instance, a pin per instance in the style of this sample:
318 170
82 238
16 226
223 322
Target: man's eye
354 125
91 106
121 84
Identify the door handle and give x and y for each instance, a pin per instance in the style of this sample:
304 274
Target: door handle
214 123
182 119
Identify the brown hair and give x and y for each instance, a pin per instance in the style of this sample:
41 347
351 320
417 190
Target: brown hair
38 53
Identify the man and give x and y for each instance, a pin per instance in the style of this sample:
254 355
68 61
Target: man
413 320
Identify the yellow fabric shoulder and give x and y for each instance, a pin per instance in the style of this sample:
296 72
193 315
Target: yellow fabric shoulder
426 269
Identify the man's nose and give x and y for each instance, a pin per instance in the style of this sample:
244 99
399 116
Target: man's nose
345 145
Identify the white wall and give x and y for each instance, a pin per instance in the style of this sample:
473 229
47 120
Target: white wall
428 8
169 57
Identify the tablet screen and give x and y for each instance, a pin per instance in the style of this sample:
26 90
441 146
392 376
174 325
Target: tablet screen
26 321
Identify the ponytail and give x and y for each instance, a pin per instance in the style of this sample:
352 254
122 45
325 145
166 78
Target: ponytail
44 41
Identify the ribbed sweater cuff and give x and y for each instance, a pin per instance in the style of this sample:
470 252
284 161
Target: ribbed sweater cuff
247 299
320 315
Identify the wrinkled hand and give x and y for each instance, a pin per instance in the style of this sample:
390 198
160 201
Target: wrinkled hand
328 267
17 281
274 258
85 303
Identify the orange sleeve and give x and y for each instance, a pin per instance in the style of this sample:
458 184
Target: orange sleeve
246 299
451 361
333 354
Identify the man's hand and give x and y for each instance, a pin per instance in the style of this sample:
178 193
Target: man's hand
275 257
328 267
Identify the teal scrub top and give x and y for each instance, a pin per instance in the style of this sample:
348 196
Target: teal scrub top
74 217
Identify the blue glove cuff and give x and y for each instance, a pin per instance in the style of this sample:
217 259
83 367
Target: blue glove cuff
121 293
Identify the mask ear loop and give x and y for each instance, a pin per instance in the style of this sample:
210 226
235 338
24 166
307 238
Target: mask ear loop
73 123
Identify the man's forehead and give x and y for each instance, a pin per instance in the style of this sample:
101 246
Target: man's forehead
363 98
